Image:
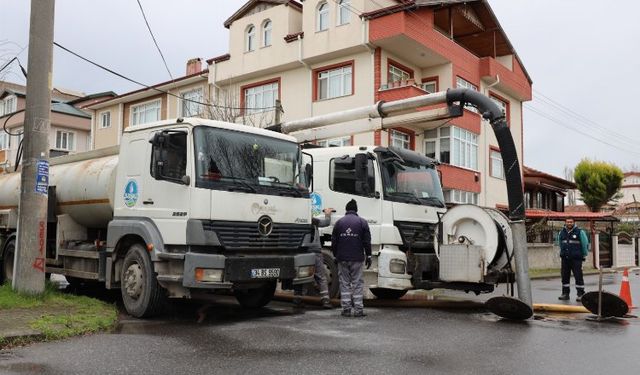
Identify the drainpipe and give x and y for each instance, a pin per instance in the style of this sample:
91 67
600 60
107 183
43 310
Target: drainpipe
487 161
303 63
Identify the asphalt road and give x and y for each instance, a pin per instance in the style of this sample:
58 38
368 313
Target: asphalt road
281 340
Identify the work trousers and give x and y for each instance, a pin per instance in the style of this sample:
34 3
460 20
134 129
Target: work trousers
320 277
351 285
572 265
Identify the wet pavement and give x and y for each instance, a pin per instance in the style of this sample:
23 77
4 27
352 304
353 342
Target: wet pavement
279 339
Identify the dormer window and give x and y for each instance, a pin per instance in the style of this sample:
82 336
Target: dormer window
323 17
266 33
344 12
250 40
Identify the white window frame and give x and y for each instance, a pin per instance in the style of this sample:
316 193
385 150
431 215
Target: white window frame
400 139
66 143
102 116
460 197
8 105
4 141
396 74
267 28
135 110
336 142
322 17
261 98
497 169
500 103
463 147
344 12
250 39
342 76
199 97
431 82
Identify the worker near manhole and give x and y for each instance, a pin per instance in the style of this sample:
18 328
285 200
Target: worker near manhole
319 276
351 246
574 247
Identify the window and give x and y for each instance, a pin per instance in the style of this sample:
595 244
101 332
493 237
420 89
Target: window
344 12
250 42
453 145
4 141
396 74
335 82
400 140
460 196
173 155
430 86
335 142
105 120
464 84
257 98
342 176
144 113
495 164
64 140
190 103
501 103
322 22
527 199
266 33
8 105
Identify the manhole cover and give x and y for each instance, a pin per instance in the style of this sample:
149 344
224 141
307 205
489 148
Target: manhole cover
509 308
612 305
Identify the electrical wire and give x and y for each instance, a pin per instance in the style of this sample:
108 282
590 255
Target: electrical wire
154 39
155 88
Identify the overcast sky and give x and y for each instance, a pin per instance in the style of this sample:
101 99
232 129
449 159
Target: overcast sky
582 56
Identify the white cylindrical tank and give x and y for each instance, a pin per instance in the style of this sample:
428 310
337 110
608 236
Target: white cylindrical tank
85 188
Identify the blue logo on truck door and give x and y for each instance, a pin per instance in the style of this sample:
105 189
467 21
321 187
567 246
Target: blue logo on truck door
316 204
131 193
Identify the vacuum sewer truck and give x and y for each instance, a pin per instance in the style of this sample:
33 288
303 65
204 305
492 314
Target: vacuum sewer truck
179 207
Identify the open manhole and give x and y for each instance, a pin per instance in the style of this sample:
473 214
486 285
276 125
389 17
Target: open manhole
612 305
509 308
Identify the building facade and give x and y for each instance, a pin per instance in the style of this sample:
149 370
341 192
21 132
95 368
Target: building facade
319 57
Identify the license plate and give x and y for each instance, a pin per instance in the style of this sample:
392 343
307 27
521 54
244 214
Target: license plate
265 273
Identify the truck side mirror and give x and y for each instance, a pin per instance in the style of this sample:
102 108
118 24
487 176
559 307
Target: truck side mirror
361 162
308 175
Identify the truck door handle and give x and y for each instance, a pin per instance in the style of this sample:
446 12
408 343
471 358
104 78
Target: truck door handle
148 201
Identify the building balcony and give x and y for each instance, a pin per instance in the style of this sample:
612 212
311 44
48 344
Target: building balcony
510 81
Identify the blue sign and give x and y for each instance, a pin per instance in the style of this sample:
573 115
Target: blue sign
42 177
316 204
131 193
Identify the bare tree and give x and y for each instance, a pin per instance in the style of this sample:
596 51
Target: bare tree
571 193
225 104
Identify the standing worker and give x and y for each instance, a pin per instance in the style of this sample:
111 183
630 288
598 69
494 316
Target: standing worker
319 275
574 247
350 242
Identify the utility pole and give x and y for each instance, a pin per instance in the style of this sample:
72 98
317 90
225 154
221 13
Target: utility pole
32 221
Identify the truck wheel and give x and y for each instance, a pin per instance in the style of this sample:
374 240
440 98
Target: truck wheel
6 271
331 273
384 293
256 297
141 294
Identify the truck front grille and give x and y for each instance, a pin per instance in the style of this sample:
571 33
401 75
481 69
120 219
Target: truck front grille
238 235
417 237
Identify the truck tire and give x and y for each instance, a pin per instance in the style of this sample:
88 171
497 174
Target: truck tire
384 293
256 297
6 271
142 296
331 272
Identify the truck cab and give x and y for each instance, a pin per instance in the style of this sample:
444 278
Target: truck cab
399 194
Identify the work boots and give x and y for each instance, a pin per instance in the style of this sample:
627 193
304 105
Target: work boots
565 294
580 294
326 303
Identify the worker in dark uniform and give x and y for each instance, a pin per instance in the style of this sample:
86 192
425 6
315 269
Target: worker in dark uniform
351 246
319 275
574 247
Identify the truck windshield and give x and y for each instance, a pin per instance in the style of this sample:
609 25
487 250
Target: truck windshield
237 161
409 182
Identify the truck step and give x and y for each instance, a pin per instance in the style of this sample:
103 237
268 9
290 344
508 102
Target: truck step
73 273
171 256
170 278
78 253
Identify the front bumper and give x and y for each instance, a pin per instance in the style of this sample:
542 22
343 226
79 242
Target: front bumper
237 269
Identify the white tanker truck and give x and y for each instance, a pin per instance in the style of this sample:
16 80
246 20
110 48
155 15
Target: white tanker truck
179 206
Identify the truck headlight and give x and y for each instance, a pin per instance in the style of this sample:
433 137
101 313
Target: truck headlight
208 275
306 271
397 266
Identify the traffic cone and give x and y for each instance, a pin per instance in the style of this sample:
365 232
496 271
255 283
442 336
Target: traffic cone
625 290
